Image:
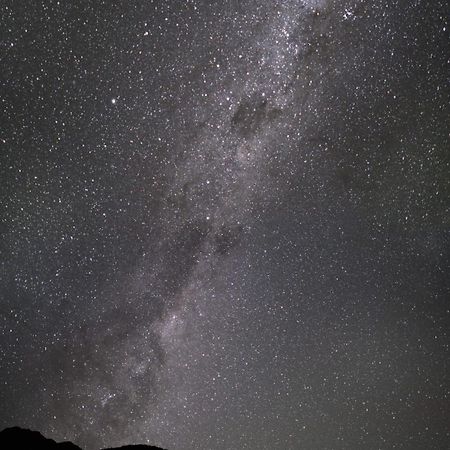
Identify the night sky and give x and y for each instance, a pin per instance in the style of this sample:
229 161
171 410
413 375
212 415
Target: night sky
226 224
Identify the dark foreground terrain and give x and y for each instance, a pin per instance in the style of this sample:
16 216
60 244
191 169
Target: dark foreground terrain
20 439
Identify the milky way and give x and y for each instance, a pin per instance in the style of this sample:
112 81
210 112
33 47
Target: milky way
225 225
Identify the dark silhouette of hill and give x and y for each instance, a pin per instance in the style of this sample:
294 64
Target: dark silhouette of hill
16 438
134 447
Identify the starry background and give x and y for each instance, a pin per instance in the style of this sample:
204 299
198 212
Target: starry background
225 224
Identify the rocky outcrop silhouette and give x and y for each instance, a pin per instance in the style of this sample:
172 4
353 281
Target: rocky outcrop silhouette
16 438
